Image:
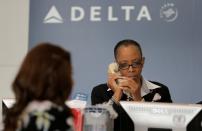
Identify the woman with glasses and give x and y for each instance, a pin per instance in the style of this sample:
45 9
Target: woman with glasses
127 83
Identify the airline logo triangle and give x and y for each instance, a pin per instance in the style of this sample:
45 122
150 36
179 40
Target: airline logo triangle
53 16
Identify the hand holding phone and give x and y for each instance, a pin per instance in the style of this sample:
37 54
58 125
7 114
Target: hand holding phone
113 71
113 75
115 79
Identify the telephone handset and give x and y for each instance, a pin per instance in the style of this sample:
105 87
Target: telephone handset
113 68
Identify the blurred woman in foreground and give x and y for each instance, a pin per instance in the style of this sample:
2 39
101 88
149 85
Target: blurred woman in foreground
41 87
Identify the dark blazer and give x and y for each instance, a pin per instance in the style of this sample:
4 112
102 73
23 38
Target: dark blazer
199 102
100 94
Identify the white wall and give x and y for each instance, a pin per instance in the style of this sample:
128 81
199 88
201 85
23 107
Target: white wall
14 19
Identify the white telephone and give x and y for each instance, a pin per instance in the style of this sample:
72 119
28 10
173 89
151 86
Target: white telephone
113 68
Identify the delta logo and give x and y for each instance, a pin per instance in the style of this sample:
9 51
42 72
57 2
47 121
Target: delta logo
168 12
53 16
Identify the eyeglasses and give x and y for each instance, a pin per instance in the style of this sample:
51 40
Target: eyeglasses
135 64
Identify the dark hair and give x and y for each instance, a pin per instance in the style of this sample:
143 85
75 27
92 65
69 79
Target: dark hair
126 42
45 74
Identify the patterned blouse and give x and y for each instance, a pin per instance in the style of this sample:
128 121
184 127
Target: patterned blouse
45 116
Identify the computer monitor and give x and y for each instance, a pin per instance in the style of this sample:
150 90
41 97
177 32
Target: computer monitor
153 116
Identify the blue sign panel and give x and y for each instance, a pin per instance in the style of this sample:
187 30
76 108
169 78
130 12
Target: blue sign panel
169 32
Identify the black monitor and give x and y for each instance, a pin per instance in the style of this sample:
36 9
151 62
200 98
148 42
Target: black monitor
152 116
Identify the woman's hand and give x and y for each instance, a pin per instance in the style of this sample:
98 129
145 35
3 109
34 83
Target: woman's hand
132 86
113 85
